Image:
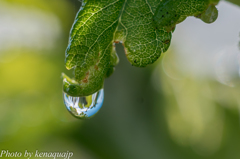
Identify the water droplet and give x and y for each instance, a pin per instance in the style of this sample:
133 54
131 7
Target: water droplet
210 15
86 106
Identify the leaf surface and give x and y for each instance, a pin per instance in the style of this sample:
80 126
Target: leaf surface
137 24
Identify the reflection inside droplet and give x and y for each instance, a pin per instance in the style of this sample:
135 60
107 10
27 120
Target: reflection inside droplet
86 106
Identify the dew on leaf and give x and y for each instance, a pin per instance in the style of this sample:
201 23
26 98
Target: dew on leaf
210 15
86 106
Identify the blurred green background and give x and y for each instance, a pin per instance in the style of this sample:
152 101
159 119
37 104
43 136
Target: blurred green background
185 106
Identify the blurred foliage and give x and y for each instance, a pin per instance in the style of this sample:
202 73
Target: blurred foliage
237 2
154 112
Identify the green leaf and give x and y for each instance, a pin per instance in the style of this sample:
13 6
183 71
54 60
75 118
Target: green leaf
137 24
171 12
